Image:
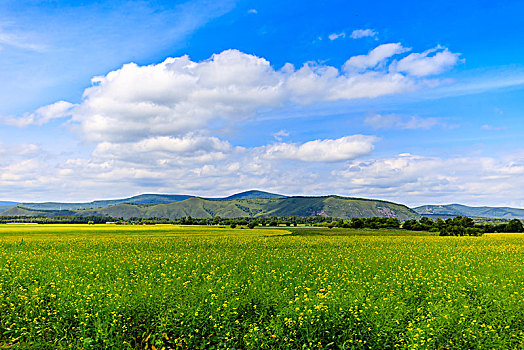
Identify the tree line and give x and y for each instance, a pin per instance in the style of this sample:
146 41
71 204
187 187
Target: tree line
461 226
458 226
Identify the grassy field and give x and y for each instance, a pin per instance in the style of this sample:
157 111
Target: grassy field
156 287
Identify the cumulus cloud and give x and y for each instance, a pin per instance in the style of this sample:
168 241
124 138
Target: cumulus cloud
21 165
363 33
430 62
155 126
165 149
418 179
345 148
394 121
179 95
405 178
335 36
374 57
403 170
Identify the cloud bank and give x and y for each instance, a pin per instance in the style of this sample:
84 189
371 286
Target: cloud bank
179 95
156 127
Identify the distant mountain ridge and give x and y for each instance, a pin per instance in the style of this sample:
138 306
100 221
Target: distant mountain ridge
453 210
139 199
252 195
142 199
250 203
5 205
196 207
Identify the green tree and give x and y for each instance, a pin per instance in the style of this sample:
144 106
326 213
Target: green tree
514 225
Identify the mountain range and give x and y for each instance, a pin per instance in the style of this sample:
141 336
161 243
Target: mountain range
453 210
245 204
252 203
141 199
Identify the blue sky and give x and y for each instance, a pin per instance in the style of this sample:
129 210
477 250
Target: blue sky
415 102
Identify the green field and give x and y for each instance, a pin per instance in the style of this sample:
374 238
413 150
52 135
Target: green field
137 287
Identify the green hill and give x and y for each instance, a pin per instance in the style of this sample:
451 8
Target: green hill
140 199
251 195
20 211
195 207
143 199
452 210
4 208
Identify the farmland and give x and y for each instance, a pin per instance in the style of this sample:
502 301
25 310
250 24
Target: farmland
103 286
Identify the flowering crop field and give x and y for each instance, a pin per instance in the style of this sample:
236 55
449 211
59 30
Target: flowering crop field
155 287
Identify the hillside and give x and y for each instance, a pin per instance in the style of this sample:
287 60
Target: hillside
452 210
140 199
195 207
19 211
252 195
4 208
143 199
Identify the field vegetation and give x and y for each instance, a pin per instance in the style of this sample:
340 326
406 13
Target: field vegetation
458 226
205 287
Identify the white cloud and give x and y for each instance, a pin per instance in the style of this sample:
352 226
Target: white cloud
253 11
362 33
422 64
345 148
155 128
172 166
335 36
421 179
179 96
406 178
18 40
42 115
374 57
280 134
165 149
10 151
312 84
394 121
493 128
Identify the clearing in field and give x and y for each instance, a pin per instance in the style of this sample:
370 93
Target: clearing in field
136 287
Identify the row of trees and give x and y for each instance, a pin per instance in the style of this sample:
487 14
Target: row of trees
371 223
458 226
262 221
217 220
461 226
